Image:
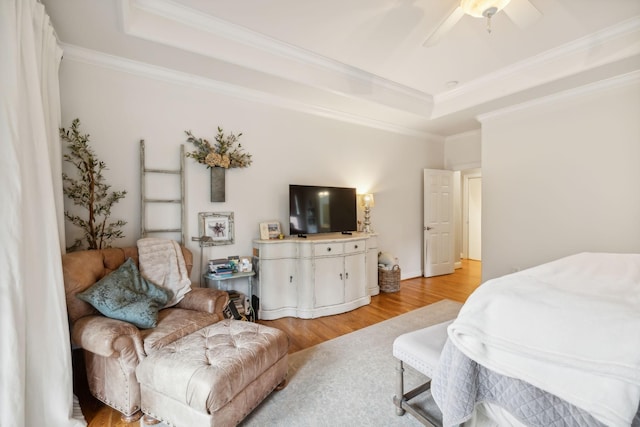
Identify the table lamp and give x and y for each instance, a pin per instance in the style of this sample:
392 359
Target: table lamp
367 202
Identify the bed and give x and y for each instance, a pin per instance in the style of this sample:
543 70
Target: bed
553 345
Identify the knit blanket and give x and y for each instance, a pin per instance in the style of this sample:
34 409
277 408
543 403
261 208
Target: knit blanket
161 262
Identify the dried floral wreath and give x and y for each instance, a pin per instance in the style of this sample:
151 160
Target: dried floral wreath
221 154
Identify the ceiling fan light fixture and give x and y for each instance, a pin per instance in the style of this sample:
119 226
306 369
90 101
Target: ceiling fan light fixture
488 13
483 8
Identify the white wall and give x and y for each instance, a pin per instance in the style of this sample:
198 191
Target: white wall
561 176
463 151
118 109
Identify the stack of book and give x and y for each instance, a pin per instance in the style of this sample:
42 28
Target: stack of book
222 272
238 300
241 307
220 268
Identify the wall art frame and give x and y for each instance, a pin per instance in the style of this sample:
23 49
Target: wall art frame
270 230
216 228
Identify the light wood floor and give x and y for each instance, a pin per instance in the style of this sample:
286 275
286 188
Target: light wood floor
303 333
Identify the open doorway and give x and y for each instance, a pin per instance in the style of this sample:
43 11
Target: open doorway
467 220
472 214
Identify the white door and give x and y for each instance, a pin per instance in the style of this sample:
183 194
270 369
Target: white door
438 223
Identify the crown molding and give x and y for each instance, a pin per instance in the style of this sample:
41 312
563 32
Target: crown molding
473 132
565 60
167 75
344 93
610 83
285 59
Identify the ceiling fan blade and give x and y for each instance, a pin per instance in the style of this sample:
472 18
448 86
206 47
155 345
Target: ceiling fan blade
522 13
444 27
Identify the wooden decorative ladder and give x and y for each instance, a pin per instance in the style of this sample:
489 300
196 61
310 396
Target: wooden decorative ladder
146 202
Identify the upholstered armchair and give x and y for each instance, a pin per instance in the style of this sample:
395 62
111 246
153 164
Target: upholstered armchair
114 348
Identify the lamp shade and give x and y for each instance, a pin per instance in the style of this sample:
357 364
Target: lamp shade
476 8
366 200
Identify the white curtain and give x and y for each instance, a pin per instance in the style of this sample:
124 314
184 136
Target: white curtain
35 354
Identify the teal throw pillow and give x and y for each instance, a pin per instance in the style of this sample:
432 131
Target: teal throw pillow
125 295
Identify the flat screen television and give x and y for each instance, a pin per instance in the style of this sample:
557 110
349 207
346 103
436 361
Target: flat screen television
314 209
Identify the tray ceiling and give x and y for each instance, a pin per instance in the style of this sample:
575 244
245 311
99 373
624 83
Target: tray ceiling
362 60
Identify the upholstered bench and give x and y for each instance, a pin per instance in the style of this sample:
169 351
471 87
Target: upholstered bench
214 376
421 350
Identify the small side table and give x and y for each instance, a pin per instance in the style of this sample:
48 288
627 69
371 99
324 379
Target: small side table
223 283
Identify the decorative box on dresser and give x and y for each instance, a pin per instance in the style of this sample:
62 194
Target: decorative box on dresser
315 276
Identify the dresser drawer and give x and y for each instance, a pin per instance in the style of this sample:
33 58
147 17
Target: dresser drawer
354 247
328 249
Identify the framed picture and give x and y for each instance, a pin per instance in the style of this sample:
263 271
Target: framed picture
216 228
270 230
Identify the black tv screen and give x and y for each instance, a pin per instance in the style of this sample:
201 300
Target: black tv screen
314 209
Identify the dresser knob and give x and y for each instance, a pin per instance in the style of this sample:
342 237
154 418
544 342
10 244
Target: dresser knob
356 246
328 249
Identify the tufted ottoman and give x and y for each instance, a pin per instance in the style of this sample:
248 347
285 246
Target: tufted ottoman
214 376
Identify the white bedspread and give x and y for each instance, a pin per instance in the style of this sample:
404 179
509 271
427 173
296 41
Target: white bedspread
161 261
570 327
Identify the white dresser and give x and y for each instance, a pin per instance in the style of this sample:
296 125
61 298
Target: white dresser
317 276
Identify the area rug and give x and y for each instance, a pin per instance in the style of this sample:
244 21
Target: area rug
349 380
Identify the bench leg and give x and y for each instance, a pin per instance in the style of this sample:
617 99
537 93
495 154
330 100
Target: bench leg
399 397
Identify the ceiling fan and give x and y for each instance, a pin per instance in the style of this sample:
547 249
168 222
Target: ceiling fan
521 12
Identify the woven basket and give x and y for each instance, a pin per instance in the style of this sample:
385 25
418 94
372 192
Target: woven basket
389 280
